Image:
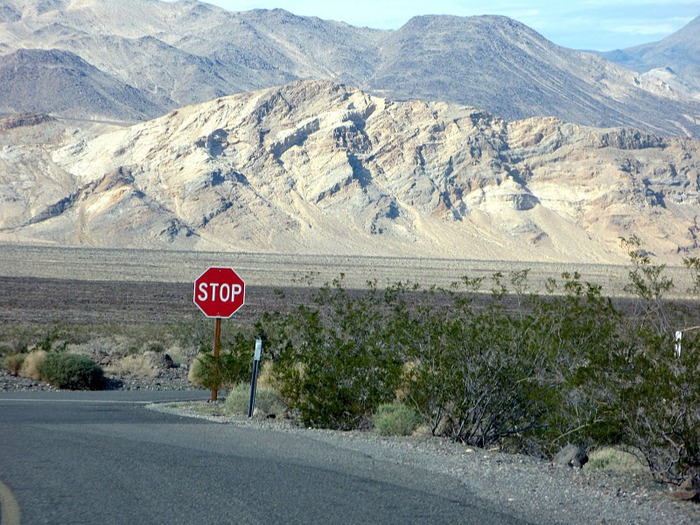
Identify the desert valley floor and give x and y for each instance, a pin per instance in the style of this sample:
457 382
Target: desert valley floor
85 285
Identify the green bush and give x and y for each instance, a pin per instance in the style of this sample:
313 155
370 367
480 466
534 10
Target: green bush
338 365
267 401
580 332
396 420
71 372
475 377
235 363
658 408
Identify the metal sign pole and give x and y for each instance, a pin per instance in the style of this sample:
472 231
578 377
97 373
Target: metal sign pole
254 379
217 344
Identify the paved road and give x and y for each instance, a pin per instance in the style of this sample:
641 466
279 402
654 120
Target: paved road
102 458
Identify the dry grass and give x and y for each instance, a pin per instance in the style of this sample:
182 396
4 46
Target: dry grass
267 401
194 374
31 364
265 379
140 365
115 345
616 460
13 362
180 355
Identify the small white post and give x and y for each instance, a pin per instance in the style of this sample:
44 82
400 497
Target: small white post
254 378
677 344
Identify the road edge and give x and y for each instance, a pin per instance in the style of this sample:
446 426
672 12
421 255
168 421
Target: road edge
9 508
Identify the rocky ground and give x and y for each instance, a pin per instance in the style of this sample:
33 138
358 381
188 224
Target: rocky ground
536 490
164 379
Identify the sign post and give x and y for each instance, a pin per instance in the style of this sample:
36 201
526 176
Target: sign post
219 293
254 379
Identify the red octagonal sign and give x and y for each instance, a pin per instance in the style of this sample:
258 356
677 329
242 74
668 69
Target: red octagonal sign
219 292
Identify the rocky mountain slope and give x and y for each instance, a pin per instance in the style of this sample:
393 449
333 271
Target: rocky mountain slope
35 80
176 53
675 60
317 167
508 69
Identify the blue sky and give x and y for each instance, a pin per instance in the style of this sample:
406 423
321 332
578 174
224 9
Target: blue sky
600 25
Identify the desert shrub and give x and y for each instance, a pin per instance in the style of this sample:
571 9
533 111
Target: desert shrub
32 363
13 362
518 371
337 365
396 420
154 346
475 374
659 391
71 372
580 333
658 408
267 401
234 366
50 343
478 381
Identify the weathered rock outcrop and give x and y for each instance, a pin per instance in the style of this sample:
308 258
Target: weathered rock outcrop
316 167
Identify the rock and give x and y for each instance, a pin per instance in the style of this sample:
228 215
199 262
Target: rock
159 360
686 491
685 495
167 361
571 456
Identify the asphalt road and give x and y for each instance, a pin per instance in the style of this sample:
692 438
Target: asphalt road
102 458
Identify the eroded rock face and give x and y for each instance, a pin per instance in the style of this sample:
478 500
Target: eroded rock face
318 167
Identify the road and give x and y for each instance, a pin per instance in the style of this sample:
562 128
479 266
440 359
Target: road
102 458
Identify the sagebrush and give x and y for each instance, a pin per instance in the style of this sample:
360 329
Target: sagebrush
71 372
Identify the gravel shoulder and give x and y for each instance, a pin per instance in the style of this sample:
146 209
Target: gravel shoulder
524 486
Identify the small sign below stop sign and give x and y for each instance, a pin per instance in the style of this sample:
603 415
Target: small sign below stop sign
219 292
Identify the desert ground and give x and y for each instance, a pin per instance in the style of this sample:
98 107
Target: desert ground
86 285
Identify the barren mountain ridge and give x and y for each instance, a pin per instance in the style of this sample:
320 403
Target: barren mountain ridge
150 56
317 167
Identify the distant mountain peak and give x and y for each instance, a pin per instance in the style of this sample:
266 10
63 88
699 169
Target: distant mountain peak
178 53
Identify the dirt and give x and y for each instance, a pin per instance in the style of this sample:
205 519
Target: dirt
45 301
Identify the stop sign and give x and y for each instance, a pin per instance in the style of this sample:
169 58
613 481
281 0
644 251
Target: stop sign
219 292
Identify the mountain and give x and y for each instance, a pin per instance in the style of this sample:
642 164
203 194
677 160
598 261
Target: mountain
503 66
318 167
674 60
35 80
185 52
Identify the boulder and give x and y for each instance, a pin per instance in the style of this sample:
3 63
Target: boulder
571 456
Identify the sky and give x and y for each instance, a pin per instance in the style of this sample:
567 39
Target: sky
600 25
